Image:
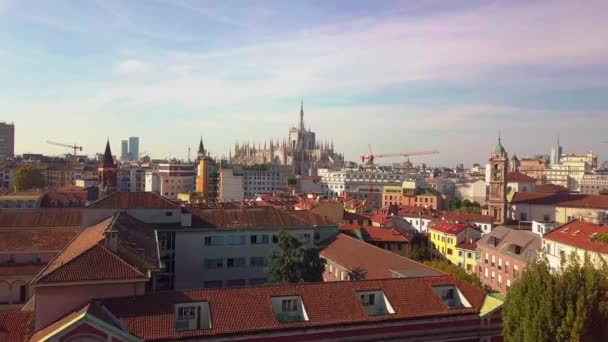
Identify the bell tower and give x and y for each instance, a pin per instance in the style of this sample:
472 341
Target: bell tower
497 201
107 173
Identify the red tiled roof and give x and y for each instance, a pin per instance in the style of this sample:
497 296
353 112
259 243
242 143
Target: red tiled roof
375 234
519 177
255 217
248 310
456 216
36 239
21 218
133 200
381 218
16 326
551 188
579 234
366 260
450 228
85 259
20 270
562 199
467 246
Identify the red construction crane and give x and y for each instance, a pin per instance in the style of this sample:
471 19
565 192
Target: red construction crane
369 158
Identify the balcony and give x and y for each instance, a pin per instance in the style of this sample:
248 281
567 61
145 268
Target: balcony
287 317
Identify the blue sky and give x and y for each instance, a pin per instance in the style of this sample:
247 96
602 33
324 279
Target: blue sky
399 75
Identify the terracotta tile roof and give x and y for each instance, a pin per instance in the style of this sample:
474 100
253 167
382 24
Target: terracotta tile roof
21 218
467 246
381 218
256 217
248 310
86 258
133 200
551 188
367 261
455 216
20 270
36 239
518 177
375 234
502 238
451 228
579 234
16 326
563 199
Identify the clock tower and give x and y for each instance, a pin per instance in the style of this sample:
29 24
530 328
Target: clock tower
497 201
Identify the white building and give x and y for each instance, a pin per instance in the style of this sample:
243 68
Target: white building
264 178
169 180
577 237
593 184
475 191
231 185
571 170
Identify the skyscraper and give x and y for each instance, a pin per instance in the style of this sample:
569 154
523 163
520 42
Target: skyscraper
7 140
124 151
134 148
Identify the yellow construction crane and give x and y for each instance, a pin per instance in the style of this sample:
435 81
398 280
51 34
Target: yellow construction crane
74 147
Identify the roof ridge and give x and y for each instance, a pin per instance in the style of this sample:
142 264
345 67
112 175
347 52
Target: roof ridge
101 199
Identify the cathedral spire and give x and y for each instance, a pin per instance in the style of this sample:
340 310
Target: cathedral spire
302 115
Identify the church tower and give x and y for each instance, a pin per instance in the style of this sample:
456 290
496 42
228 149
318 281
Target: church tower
497 202
107 173
201 153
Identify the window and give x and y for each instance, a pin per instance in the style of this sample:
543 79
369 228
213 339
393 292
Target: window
459 253
235 282
547 218
275 238
493 260
186 312
234 240
168 213
235 262
289 305
523 217
259 239
214 240
368 299
258 261
214 263
36 259
450 252
212 284
499 264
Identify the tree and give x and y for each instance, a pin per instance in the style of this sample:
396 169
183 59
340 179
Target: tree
454 270
566 305
293 262
418 253
28 177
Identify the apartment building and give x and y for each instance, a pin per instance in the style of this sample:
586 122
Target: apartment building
410 194
503 254
560 207
578 237
594 184
231 185
386 238
447 240
265 178
169 180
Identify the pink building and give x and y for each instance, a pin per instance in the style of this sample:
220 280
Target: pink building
116 257
503 254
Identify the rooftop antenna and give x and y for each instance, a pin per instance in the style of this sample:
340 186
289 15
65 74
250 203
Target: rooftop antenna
188 154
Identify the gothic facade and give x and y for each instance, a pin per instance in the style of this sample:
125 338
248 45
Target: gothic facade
301 149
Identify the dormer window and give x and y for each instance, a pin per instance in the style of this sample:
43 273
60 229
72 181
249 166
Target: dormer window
451 297
515 249
289 309
192 316
375 303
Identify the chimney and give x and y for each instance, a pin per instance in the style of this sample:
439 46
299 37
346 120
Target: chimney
111 240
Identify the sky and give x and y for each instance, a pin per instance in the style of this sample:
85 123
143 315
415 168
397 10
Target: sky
398 75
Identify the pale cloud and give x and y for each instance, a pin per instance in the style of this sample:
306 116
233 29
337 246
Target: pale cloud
133 66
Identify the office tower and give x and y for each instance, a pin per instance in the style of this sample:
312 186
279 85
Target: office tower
134 148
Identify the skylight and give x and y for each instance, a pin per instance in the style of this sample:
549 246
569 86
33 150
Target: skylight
451 297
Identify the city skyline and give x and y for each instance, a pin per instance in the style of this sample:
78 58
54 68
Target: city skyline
399 76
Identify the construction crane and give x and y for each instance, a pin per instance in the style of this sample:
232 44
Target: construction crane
369 160
74 147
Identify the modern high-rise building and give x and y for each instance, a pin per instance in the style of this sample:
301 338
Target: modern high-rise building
134 148
124 150
7 140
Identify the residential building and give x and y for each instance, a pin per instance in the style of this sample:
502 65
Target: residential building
264 178
578 237
445 186
386 238
444 237
115 257
503 254
439 308
131 178
497 199
231 185
466 256
485 223
29 239
7 176
474 191
170 179
7 141
410 194
534 168
594 184
134 148
560 207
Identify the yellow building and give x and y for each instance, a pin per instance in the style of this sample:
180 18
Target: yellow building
454 242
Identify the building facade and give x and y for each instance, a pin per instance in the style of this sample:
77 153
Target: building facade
7 141
446 239
578 238
265 178
231 185
301 150
171 179
534 167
